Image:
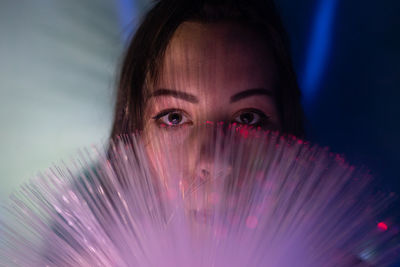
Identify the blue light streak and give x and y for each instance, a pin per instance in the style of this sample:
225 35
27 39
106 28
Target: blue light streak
317 54
127 12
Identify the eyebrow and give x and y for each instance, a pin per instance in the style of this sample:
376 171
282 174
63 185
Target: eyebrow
177 94
250 92
193 99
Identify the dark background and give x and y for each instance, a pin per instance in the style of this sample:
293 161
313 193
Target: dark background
351 97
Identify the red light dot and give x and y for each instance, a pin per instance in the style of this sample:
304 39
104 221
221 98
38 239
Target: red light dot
382 226
244 133
300 142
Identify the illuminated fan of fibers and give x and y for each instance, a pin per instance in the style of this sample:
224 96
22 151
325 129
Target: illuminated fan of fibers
281 202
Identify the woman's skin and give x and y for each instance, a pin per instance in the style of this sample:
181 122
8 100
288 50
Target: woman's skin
211 72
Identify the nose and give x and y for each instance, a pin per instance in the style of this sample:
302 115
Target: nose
211 168
213 162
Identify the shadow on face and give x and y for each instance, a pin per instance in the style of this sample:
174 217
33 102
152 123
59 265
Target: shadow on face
210 72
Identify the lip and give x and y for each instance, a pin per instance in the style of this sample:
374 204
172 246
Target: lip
202 215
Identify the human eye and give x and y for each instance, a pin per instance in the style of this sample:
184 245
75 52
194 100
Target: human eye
172 118
251 117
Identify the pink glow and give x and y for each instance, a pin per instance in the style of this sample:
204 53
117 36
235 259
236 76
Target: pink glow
251 222
382 226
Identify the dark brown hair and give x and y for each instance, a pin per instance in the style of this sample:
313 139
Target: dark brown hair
146 51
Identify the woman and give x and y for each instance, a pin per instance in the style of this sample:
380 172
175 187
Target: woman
203 60
196 61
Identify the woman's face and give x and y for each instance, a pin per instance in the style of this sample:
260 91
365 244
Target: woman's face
211 72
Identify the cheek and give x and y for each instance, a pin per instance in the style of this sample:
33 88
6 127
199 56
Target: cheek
170 153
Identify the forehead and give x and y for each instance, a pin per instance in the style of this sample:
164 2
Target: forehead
217 57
